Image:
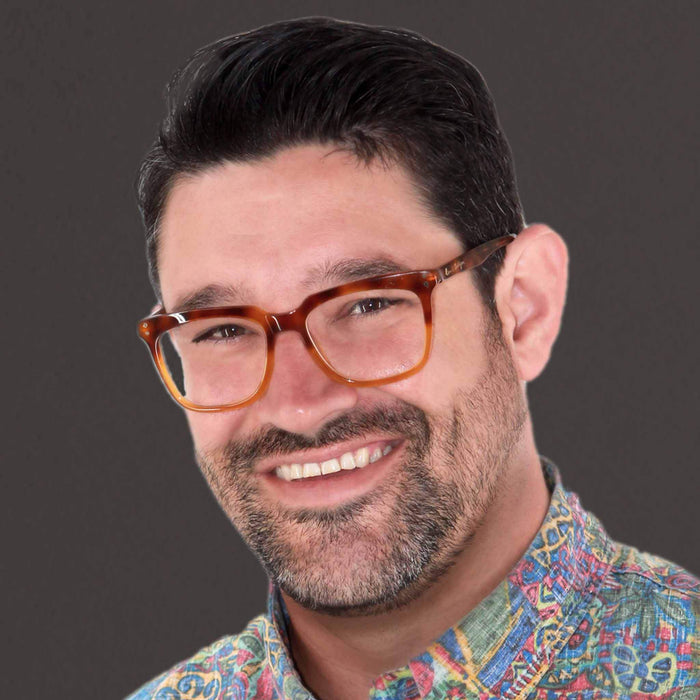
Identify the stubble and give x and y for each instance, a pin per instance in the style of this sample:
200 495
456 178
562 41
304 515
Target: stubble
384 549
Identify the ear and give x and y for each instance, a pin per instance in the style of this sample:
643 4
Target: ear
530 293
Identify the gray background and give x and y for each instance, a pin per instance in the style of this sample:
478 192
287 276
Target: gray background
117 562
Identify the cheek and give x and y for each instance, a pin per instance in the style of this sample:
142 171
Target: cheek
460 355
457 362
457 359
212 430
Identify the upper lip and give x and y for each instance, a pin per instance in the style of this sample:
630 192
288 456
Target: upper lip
322 454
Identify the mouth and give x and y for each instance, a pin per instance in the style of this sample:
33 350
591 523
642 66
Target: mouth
330 476
347 461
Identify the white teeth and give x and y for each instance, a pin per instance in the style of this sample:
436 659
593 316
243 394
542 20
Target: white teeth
311 469
330 467
348 461
296 471
362 457
284 472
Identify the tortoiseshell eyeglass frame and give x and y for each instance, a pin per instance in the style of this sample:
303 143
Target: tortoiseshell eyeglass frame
421 282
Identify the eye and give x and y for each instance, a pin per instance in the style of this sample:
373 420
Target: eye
370 305
224 332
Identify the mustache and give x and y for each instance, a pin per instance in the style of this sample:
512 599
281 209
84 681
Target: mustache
401 418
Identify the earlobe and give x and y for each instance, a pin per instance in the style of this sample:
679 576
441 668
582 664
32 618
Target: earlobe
530 292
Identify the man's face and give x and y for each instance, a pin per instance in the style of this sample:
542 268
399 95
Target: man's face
363 540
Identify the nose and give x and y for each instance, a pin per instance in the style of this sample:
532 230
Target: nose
301 398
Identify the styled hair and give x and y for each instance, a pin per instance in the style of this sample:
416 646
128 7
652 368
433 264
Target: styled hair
380 93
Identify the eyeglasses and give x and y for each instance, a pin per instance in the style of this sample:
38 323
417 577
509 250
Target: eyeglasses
366 333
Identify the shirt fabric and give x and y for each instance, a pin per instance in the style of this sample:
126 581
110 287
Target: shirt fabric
579 617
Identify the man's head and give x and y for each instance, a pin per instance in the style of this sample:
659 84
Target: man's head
291 156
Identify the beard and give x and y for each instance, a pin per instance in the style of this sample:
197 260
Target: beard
382 550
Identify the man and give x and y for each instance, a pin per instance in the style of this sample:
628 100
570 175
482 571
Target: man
350 322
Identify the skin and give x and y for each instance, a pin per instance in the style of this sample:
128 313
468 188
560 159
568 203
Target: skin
266 225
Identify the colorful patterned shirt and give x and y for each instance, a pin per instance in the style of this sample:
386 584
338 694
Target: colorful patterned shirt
579 617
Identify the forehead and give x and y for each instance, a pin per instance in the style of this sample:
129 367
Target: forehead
260 228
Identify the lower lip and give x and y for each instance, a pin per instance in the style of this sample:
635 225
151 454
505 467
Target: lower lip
331 489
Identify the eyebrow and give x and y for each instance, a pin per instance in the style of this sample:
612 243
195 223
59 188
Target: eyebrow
321 276
329 273
212 295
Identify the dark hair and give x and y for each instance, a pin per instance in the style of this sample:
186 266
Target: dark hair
381 93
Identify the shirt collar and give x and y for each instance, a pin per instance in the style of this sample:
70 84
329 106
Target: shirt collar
511 637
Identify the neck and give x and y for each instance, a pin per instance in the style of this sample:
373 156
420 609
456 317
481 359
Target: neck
342 656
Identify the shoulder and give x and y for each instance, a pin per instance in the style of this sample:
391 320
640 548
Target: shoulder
659 598
650 623
234 660
633 568
640 631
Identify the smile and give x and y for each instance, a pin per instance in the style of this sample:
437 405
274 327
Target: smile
347 461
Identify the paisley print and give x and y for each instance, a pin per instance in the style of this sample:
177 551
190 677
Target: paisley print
579 617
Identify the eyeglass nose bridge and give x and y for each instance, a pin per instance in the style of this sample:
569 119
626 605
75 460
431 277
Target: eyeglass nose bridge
293 320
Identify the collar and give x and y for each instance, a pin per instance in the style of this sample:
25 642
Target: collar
510 639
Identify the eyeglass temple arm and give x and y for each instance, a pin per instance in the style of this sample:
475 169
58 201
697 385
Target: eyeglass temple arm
474 257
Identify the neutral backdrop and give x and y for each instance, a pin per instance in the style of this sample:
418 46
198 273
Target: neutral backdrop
117 562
